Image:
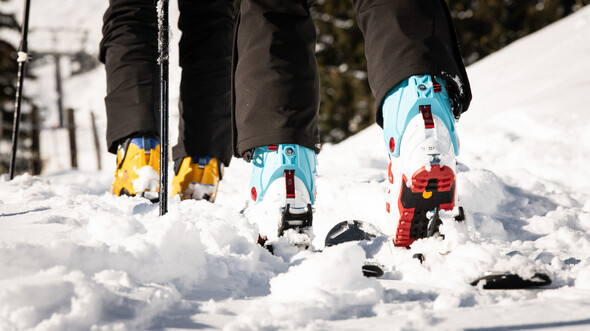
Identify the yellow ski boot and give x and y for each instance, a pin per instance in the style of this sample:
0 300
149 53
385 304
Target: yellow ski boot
138 168
197 178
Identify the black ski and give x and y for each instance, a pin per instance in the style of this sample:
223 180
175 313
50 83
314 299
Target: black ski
350 231
511 281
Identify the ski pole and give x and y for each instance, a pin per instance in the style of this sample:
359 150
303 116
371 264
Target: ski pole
22 59
163 51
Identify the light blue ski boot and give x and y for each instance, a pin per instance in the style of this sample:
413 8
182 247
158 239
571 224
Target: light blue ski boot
286 174
419 132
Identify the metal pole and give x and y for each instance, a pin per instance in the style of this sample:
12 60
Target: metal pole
23 57
58 89
163 51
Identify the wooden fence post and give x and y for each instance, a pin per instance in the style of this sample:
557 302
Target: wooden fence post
96 142
35 163
72 135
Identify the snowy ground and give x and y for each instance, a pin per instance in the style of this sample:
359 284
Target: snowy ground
73 257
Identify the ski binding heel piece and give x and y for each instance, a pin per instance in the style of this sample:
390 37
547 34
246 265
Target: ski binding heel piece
298 222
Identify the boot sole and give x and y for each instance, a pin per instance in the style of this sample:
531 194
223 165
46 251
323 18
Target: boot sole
429 190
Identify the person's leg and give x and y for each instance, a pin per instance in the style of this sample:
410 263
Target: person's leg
129 51
420 84
276 102
405 38
205 57
276 76
204 139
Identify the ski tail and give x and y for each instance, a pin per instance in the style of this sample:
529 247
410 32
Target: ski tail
511 281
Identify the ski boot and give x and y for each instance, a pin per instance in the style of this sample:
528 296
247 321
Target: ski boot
419 132
197 178
283 176
138 168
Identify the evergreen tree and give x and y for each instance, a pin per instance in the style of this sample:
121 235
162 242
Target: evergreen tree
347 103
8 79
485 26
8 73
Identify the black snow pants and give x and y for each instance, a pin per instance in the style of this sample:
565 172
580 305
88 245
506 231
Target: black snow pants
129 51
274 76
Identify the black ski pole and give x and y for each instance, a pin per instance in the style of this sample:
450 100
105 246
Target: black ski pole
22 59
163 51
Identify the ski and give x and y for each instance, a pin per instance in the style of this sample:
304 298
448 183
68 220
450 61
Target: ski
349 231
360 231
510 281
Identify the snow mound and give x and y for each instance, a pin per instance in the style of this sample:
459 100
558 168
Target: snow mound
324 286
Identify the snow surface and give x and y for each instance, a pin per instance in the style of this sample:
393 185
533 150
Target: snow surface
73 257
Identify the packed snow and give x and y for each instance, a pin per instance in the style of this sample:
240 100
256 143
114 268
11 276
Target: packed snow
74 257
